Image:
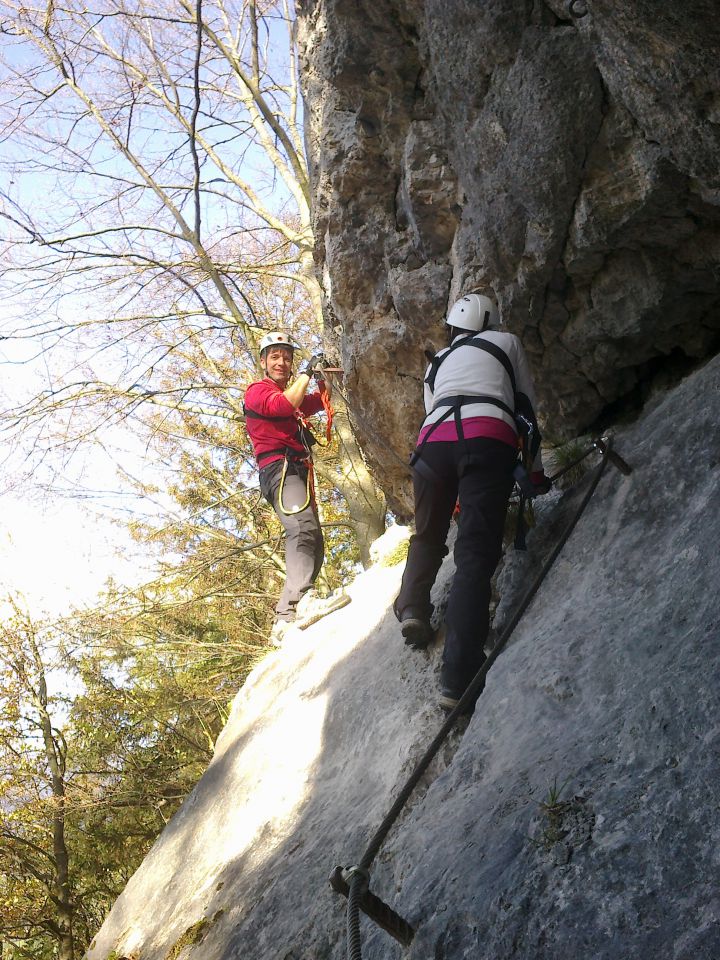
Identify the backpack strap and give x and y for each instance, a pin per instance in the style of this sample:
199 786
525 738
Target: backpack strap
417 452
494 350
522 413
439 357
304 433
460 399
293 455
472 340
264 416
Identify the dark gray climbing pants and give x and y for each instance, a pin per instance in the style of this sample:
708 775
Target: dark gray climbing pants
478 472
304 547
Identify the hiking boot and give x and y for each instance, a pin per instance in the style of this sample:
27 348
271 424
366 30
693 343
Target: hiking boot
415 628
452 689
449 698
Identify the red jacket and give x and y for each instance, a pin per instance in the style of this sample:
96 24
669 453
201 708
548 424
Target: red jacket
272 421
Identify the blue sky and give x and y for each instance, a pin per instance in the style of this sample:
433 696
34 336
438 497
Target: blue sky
52 544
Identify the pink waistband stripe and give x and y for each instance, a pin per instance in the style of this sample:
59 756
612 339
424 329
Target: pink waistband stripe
491 427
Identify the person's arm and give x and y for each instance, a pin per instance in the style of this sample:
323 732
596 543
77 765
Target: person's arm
295 393
428 395
301 396
266 399
523 378
312 404
524 384
427 399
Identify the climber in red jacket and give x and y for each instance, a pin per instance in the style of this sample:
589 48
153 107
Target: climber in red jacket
275 410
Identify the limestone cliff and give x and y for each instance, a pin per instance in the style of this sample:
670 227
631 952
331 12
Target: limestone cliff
609 695
570 162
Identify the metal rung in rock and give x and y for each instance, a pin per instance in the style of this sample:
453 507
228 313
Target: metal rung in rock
374 908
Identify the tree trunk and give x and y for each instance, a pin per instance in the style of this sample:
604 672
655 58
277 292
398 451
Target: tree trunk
55 754
66 943
365 502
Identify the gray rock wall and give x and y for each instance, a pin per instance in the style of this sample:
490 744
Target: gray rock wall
608 694
570 164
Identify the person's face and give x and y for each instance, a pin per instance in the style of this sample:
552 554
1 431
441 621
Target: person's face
277 364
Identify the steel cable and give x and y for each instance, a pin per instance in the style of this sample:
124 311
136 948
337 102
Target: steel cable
353 918
356 884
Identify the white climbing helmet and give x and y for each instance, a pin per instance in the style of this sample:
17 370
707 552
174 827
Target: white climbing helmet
474 312
275 339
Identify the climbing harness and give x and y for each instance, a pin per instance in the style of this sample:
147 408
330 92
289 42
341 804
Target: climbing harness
292 456
416 464
308 439
354 881
305 437
309 487
522 413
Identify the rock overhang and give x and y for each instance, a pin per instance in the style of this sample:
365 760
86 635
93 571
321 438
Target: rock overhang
568 163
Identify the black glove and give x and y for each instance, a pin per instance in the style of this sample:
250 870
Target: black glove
308 366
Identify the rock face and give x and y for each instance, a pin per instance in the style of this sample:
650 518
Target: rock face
575 816
569 163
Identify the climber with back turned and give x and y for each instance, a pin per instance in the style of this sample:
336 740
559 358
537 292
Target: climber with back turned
479 398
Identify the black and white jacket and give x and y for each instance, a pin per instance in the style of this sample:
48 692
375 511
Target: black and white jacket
464 370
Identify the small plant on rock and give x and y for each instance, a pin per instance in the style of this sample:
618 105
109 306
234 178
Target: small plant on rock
553 808
562 456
